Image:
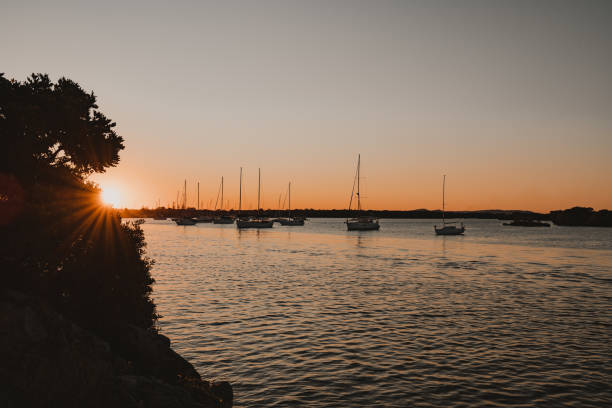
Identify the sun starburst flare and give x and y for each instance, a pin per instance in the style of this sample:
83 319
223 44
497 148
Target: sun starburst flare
111 196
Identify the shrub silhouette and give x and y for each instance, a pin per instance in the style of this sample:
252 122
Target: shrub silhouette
58 241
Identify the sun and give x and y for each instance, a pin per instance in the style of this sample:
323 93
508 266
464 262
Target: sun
111 196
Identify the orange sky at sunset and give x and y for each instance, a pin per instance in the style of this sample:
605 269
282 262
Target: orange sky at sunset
511 100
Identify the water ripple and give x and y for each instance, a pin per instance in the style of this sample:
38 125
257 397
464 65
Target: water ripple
320 317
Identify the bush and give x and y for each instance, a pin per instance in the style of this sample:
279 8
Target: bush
58 241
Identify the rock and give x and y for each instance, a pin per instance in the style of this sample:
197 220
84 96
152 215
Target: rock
151 352
46 360
224 391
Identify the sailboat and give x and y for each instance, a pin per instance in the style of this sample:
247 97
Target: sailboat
258 222
184 220
223 219
291 222
361 223
448 228
200 218
203 218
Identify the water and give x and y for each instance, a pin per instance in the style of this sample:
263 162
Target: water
317 316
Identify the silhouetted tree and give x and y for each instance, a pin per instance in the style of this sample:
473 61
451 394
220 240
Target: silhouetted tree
58 240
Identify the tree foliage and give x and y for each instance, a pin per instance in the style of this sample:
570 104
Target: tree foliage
58 240
58 125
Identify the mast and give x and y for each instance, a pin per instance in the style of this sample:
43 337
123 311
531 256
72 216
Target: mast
240 199
358 196
258 191
221 208
289 200
443 187
185 195
198 202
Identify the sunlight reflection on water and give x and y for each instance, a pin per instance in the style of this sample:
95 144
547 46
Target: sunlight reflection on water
318 316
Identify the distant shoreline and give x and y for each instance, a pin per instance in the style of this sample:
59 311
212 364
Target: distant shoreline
312 213
577 216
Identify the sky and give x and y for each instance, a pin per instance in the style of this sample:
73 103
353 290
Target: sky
512 100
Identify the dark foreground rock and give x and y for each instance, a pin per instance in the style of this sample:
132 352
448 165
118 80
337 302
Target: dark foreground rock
47 361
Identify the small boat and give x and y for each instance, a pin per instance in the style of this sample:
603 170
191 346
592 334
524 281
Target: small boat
363 224
254 223
222 219
290 222
448 228
526 223
203 218
360 223
185 221
258 222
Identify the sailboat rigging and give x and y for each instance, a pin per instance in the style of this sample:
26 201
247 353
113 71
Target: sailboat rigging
291 222
222 218
361 222
258 222
447 227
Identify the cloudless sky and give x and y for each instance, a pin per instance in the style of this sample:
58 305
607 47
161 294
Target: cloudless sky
511 99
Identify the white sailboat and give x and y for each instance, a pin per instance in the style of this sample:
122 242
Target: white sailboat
448 228
291 222
258 222
223 219
360 223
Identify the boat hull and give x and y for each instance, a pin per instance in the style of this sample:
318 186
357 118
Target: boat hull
254 224
290 222
185 221
362 226
449 230
526 224
223 221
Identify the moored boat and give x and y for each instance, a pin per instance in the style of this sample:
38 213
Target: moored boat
257 222
222 219
203 218
447 228
289 221
254 223
450 229
185 221
526 223
360 223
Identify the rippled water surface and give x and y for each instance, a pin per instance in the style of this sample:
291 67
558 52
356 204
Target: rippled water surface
317 316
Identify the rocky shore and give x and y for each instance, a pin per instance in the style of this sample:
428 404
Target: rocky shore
47 360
